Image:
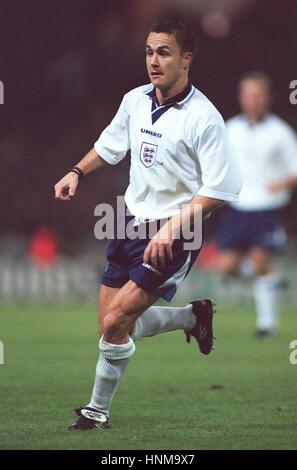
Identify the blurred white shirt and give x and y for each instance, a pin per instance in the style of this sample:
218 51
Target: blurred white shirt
266 152
185 152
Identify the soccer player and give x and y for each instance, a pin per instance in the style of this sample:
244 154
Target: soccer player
181 163
251 229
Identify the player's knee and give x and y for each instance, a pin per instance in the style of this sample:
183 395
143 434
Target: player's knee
116 324
112 325
262 265
230 270
119 320
117 351
228 267
262 269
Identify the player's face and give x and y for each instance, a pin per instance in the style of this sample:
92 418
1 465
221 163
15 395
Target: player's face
167 65
254 98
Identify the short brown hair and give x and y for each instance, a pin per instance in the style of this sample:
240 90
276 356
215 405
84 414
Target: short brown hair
184 36
259 77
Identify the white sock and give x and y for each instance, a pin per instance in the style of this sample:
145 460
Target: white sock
111 365
266 296
157 320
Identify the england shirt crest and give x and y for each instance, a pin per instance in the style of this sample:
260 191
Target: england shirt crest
148 153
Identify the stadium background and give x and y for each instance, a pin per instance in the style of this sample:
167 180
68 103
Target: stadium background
65 66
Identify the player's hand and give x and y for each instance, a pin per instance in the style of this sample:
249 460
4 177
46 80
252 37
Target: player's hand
66 187
159 249
276 186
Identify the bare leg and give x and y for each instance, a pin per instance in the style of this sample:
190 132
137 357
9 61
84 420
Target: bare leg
106 295
123 310
229 262
261 259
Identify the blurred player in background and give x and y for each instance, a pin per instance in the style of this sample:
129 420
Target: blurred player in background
251 229
181 162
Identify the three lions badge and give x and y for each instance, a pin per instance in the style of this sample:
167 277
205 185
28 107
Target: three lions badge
148 153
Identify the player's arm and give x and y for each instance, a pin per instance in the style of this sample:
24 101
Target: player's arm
290 183
66 187
159 248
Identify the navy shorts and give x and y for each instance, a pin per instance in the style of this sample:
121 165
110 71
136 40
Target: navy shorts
125 262
244 230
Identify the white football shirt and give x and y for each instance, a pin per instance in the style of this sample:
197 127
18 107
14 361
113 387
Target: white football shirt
266 152
178 150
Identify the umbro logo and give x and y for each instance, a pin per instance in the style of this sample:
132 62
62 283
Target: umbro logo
151 268
154 134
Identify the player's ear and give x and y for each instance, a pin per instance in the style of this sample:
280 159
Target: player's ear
188 59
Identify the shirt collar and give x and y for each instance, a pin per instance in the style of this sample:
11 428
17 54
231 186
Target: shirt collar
174 99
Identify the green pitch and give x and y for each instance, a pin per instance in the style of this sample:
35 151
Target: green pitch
242 396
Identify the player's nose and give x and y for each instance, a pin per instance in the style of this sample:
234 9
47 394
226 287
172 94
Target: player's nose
155 60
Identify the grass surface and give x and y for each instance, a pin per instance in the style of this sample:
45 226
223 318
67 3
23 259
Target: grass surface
166 399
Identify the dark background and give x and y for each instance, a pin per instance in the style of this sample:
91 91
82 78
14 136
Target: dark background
65 66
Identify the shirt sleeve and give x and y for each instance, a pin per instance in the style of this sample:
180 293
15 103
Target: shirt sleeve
114 141
220 172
